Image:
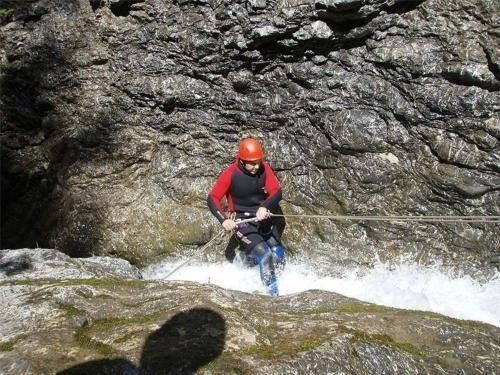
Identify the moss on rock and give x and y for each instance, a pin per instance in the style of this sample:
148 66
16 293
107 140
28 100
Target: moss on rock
83 340
7 346
380 339
286 348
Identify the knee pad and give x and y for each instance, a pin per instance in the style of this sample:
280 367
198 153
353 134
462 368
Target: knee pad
278 253
260 253
278 257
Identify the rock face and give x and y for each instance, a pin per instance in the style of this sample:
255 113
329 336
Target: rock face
117 116
88 324
35 264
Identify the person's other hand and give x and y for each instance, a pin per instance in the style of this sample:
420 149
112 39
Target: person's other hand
229 224
262 213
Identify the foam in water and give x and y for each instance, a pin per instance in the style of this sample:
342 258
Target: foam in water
408 286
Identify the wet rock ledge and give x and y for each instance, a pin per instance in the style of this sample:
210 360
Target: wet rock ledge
86 320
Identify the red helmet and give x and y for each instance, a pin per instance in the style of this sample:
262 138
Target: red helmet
250 150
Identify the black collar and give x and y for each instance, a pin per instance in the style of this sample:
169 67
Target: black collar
242 168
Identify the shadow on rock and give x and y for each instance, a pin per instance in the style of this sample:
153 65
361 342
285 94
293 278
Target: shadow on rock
45 137
189 340
15 265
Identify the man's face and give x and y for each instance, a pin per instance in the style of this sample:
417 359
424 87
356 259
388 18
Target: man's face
252 166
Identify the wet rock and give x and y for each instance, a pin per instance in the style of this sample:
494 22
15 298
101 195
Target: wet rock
100 325
15 264
117 116
36 264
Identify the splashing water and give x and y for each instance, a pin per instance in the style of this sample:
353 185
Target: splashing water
407 286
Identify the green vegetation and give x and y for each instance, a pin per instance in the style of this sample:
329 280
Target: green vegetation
369 308
363 308
351 308
103 296
452 362
125 338
84 341
234 310
268 329
287 348
44 293
228 364
103 282
113 322
148 300
39 296
25 282
7 346
78 282
360 336
6 12
462 323
70 310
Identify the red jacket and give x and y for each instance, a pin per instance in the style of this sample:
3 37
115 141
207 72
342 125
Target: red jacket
244 192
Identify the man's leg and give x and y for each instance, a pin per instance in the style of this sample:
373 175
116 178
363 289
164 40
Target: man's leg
277 249
259 252
262 255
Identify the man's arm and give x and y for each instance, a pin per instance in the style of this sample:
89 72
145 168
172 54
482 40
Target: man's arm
219 190
273 188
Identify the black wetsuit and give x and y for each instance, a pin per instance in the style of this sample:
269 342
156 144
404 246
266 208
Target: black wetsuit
245 193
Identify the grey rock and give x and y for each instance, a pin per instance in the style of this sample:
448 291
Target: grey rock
117 116
265 31
317 30
36 264
133 326
258 4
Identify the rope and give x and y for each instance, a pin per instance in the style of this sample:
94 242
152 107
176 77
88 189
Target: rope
441 219
189 260
218 235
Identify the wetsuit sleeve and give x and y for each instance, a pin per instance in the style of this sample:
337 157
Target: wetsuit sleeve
273 188
219 190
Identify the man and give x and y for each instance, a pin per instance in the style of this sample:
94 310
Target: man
251 190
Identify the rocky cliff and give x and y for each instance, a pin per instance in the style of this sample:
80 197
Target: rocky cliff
117 115
95 316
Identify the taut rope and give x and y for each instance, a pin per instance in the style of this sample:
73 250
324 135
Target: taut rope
441 219
407 218
218 235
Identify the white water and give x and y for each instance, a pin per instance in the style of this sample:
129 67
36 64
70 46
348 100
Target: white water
408 286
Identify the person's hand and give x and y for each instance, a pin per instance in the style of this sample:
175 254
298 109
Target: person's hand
229 224
262 213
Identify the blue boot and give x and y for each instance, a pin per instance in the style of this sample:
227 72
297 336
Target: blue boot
263 256
267 274
272 286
